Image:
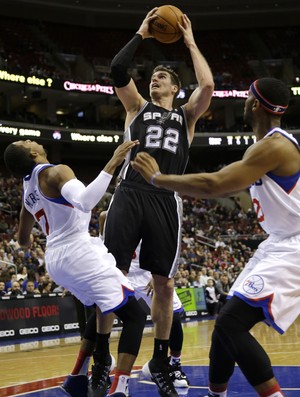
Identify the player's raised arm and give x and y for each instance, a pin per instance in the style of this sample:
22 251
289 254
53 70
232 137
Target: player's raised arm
125 87
200 99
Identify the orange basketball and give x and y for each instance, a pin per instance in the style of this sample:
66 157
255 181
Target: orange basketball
165 28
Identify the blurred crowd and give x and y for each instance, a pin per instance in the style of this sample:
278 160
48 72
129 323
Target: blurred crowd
216 243
59 52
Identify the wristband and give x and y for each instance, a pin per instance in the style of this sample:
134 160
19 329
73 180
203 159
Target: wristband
154 176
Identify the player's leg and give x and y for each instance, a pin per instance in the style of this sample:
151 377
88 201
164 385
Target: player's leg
232 342
134 319
104 362
159 252
76 384
162 316
178 376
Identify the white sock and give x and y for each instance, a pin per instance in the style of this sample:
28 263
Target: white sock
219 394
276 394
122 385
174 360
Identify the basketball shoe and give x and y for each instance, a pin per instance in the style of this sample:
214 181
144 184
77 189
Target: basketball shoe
178 377
100 380
160 376
76 385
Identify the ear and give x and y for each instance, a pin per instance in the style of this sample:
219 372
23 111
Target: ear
174 89
33 154
255 105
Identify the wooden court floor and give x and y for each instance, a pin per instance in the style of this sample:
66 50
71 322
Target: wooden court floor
37 368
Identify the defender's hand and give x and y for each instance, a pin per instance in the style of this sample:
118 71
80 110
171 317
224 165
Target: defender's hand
146 165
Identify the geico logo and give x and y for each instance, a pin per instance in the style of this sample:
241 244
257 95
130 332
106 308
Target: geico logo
71 326
28 331
7 332
191 313
7 349
50 328
29 345
51 342
72 339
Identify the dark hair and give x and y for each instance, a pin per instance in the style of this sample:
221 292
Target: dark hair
17 160
174 76
274 90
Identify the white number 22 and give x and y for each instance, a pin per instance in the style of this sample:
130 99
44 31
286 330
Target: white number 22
156 139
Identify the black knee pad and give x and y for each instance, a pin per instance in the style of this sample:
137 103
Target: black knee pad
176 334
134 319
232 330
238 316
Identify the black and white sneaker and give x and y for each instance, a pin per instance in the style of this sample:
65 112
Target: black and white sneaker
100 380
177 375
161 377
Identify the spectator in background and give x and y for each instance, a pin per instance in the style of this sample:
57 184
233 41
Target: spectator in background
15 289
219 243
11 277
2 288
45 287
223 288
30 277
203 277
30 289
212 297
197 281
13 243
22 273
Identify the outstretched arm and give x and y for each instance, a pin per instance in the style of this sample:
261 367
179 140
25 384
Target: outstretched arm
83 197
258 160
200 99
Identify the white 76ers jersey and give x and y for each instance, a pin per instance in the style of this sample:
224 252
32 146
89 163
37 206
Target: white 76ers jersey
57 217
276 200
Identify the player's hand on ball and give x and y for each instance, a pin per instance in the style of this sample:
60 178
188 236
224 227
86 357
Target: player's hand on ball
144 28
187 31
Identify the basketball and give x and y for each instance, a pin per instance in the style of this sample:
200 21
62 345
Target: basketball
164 27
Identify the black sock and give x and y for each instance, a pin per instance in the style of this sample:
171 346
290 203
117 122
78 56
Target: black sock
102 344
160 350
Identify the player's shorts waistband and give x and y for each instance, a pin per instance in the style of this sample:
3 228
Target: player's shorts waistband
146 188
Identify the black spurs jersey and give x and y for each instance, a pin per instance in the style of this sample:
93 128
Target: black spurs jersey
164 135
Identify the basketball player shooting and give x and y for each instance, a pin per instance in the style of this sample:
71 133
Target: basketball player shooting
140 211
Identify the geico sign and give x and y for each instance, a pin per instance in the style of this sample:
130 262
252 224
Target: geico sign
71 326
7 332
50 328
28 331
191 313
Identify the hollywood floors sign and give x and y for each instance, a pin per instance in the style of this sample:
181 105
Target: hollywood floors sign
28 317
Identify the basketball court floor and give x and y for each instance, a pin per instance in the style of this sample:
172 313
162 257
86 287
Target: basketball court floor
37 368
